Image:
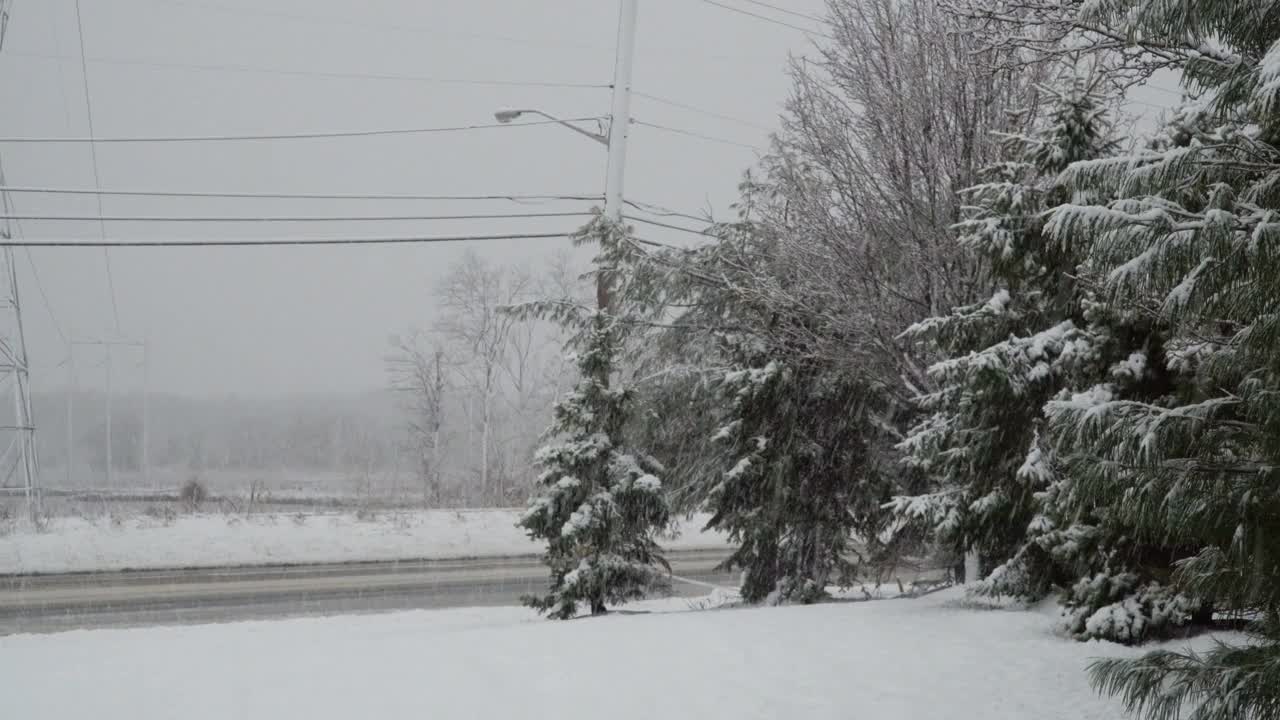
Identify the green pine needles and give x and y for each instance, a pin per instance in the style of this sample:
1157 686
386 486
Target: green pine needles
599 504
1192 240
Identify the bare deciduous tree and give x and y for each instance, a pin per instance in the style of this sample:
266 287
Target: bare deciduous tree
416 370
883 128
489 343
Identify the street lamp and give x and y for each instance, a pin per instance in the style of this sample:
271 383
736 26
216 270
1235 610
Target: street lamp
616 142
506 116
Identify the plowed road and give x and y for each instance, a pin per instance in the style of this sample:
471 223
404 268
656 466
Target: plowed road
51 603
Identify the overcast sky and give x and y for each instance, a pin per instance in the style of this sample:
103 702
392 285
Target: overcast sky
269 320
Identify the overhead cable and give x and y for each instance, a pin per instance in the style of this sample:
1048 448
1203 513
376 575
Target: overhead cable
93 152
285 218
283 136
768 19
264 242
696 109
669 226
700 136
785 11
294 242
654 209
332 75
438 30
292 196
35 273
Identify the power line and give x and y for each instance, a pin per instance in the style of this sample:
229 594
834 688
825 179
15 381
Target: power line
665 50
652 243
282 136
700 136
450 32
263 242
330 75
768 19
1155 106
669 226
659 210
286 218
11 209
35 274
696 109
785 11
1165 90
294 196
97 180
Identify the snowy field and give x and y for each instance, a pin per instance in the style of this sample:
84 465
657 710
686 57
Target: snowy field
924 659
78 544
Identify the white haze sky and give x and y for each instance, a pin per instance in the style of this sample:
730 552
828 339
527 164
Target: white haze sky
283 320
271 320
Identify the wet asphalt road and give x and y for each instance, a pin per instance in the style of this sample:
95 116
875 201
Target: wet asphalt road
53 603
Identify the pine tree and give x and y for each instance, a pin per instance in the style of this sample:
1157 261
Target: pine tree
1056 339
1192 240
1007 356
801 478
600 504
794 473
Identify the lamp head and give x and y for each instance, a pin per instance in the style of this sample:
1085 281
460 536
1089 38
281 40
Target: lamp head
506 116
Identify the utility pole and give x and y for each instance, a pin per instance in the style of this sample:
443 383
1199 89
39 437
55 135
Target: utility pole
146 412
107 347
111 465
72 388
619 127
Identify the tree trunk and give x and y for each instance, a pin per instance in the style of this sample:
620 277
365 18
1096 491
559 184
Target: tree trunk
972 566
436 421
484 444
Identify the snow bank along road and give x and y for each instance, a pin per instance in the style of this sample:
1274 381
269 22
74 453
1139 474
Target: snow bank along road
46 603
210 540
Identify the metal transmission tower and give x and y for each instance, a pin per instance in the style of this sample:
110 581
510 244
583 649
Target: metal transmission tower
107 347
18 463
4 19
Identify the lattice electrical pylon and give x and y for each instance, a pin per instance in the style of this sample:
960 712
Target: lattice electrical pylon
18 463
4 19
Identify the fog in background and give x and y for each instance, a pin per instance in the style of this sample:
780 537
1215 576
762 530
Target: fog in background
252 349
281 320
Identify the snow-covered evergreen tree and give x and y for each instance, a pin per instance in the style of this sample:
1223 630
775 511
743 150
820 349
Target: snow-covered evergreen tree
1052 337
1005 357
599 504
800 477
794 473
1192 240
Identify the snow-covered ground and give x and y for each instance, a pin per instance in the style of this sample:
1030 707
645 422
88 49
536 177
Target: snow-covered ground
925 659
77 544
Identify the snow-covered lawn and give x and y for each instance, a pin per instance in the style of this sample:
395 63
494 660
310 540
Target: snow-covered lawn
923 659
76 544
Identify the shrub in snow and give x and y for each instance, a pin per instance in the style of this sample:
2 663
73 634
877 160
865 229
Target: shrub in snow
1121 608
192 494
